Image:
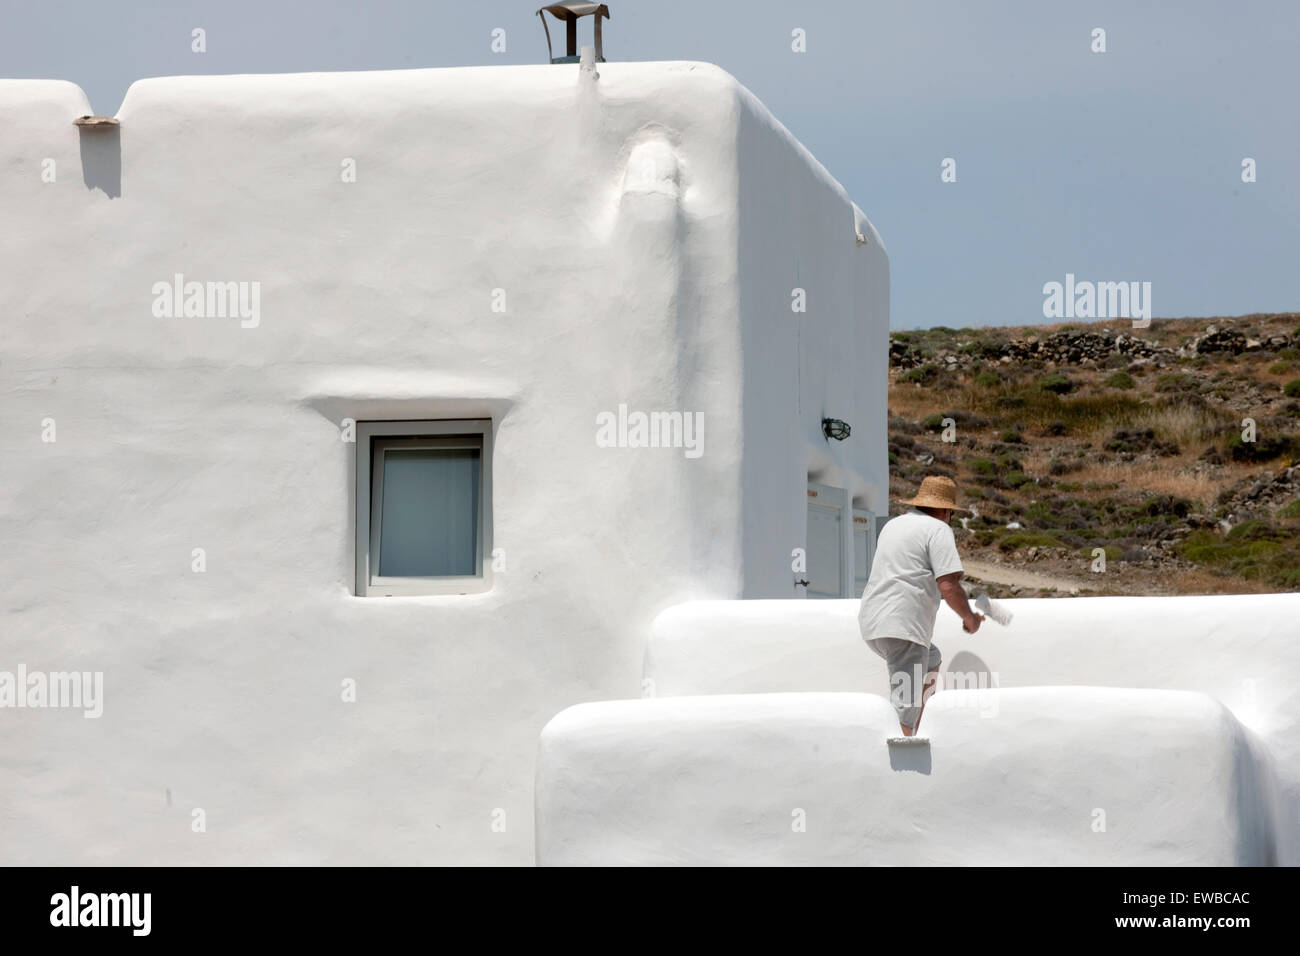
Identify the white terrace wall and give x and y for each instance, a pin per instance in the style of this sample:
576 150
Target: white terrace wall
1238 650
608 213
1079 776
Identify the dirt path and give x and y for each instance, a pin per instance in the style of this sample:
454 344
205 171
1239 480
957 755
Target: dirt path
1011 575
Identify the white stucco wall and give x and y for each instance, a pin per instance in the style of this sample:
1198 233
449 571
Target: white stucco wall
610 215
1081 776
1239 650
829 359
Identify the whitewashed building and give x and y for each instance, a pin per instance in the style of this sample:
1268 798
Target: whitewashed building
331 405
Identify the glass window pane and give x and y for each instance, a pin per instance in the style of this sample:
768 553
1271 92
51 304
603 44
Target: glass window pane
429 516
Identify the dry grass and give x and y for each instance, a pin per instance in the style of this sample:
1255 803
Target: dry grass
1168 476
915 401
1199 581
1182 424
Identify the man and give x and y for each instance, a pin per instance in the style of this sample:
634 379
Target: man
915 567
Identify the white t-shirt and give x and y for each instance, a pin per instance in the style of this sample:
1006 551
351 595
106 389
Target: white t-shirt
902 598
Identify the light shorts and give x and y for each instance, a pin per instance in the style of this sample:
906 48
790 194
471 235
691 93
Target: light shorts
908 662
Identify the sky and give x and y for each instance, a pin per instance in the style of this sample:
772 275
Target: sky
1124 165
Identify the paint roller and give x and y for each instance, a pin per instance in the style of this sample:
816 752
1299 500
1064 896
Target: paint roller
987 606
991 608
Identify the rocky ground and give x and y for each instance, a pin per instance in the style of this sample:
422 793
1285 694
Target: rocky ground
1114 460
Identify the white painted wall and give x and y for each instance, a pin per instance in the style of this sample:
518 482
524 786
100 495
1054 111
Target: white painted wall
1237 649
840 346
611 214
1081 776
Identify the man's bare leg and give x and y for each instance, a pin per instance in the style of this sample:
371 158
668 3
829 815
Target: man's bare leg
926 694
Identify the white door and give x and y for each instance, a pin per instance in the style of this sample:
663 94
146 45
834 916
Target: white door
828 542
864 540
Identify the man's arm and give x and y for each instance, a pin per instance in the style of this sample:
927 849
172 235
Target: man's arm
951 590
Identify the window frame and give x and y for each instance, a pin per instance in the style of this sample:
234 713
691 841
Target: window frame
374 438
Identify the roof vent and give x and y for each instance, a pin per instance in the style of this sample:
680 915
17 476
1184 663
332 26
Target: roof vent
569 12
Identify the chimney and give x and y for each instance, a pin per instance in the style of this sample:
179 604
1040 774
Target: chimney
570 12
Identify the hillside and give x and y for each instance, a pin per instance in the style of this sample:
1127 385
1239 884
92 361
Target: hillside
1065 439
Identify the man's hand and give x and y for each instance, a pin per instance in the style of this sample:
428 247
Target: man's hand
951 590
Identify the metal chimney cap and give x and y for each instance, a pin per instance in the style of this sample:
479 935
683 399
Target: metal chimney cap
569 12
572 9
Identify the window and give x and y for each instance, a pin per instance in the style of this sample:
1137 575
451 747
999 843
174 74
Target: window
424 507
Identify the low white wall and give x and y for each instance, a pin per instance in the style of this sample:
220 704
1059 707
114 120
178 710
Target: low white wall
1074 776
1239 649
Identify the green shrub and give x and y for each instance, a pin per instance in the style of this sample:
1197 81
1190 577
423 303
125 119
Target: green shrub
983 466
1253 550
988 379
1292 388
1165 506
1012 437
1056 382
1255 530
1120 380
922 374
1013 540
1040 512
1017 478
1177 382
1264 448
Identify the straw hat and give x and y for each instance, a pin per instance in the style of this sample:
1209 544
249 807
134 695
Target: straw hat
937 492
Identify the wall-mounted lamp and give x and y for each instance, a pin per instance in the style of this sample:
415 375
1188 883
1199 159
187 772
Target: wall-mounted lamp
834 428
